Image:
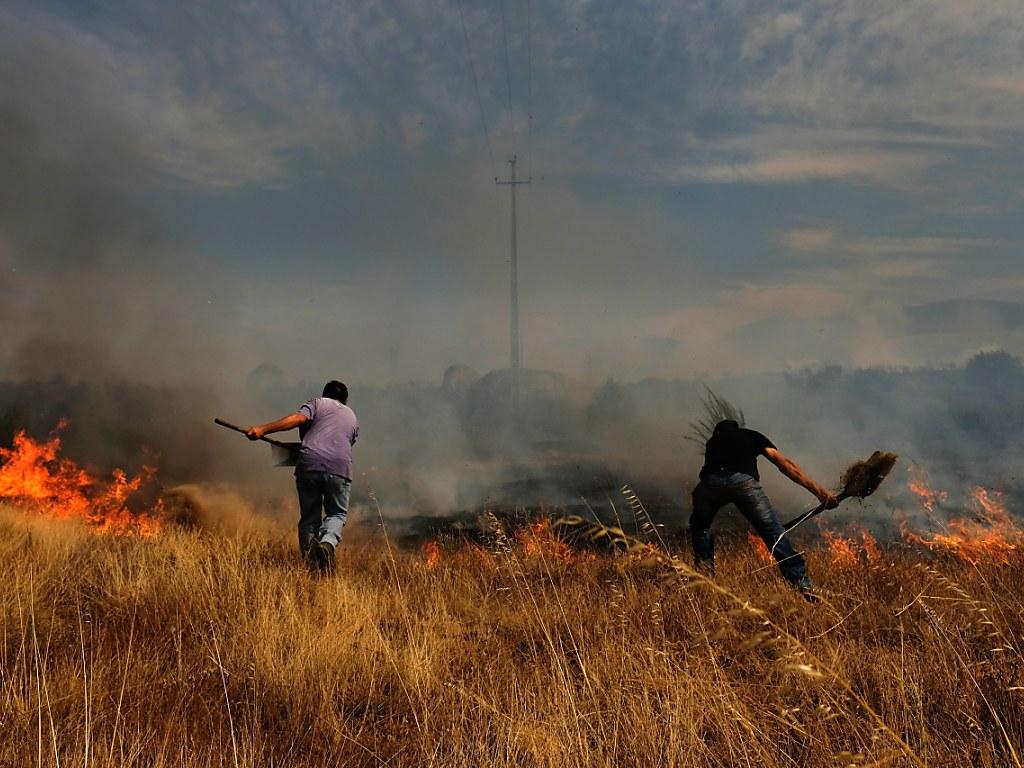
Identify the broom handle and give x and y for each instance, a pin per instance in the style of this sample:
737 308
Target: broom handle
809 514
237 428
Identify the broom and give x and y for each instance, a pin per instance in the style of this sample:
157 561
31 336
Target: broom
860 480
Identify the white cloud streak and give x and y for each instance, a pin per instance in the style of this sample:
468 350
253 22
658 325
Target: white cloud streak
883 168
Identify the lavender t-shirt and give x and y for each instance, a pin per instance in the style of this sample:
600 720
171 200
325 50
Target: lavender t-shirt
327 438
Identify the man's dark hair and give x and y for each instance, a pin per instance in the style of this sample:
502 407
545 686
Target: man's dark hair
336 391
724 426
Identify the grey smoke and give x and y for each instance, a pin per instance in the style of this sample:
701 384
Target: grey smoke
451 446
111 318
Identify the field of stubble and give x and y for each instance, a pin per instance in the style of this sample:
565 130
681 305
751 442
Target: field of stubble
198 649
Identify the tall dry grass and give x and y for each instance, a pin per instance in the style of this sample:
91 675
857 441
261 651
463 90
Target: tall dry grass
200 649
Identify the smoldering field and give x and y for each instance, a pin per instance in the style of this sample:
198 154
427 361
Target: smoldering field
209 644
433 450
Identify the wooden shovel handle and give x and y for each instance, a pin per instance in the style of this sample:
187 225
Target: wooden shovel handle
237 428
809 514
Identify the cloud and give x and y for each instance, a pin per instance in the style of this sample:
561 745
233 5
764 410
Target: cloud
696 166
1003 84
877 63
814 238
262 94
886 168
926 245
767 32
832 238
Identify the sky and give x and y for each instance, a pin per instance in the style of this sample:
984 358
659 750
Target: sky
190 190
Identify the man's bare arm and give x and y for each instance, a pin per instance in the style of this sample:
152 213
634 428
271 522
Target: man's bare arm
291 421
792 470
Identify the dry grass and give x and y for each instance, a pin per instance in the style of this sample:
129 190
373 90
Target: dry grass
198 649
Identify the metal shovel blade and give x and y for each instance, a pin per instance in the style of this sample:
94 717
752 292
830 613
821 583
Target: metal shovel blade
284 454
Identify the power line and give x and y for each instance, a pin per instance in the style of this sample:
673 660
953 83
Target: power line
508 73
476 88
529 93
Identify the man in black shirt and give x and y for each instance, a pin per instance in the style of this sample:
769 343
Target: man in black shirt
729 476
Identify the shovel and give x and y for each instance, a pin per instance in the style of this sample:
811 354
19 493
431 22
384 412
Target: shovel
281 454
860 480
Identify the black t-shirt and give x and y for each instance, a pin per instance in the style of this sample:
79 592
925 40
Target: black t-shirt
734 449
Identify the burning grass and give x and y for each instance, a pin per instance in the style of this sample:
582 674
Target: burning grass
851 547
34 475
190 649
986 534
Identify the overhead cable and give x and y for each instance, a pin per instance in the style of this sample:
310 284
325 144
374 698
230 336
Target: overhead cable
476 88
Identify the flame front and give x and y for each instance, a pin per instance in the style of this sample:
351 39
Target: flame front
33 474
990 534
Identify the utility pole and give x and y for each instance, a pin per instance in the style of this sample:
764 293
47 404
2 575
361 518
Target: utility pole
512 183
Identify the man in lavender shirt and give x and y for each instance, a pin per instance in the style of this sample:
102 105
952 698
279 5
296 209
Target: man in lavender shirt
323 471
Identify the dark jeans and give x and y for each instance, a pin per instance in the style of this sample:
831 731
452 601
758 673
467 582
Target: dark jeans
321 493
714 492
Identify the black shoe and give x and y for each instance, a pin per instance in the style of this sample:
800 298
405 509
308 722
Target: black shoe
325 556
806 588
312 556
705 568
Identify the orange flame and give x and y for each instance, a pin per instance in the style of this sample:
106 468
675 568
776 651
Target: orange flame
989 535
33 474
843 551
538 540
871 550
760 549
431 554
926 495
849 551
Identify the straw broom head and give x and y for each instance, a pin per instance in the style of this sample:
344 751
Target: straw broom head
862 478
